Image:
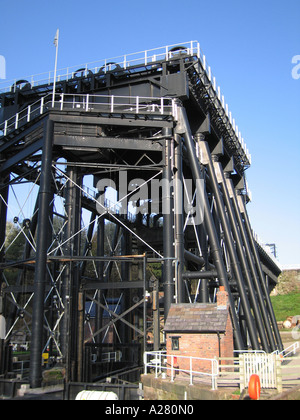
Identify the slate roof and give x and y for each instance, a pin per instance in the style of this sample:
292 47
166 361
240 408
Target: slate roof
199 317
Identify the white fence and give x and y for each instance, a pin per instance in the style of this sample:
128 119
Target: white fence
266 366
276 370
111 104
144 58
158 361
147 57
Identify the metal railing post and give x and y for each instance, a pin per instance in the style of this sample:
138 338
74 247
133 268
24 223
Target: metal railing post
198 50
112 103
28 113
42 105
62 101
278 373
172 368
145 363
242 372
17 121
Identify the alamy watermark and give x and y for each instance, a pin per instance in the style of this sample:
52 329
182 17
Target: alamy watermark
296 68
2 67
153 197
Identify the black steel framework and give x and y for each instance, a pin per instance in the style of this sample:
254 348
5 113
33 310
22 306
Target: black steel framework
87 265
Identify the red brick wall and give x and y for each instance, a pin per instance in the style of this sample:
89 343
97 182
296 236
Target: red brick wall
194 345
227 347
203 345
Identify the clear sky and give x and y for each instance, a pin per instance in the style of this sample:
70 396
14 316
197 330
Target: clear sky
249 45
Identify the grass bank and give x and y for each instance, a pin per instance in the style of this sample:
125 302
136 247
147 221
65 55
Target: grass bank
286 305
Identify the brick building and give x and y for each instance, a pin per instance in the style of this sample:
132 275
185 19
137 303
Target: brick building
199 330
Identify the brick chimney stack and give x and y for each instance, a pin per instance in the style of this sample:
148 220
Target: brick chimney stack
222 298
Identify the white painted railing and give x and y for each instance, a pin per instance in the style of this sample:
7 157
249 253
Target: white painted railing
102 66
144 58
115 356
292 349
88 103
263 365
158 360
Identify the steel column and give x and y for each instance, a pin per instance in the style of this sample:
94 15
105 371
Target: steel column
261 275
216 251
168 229
156 316
231 249
4 189
100 274
3 216
70 283
40 277
179 223
244 241
242 259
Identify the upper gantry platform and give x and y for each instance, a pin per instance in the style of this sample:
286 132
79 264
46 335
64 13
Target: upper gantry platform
109 76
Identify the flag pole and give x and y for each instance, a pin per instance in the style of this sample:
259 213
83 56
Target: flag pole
55 68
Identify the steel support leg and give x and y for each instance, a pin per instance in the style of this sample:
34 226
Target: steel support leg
45 197
242 259
156 316
100 273
261 275
216 251
179 223
235 264
3 217
168 230
70 284
245 242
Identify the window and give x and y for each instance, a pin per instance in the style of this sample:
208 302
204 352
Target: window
175 343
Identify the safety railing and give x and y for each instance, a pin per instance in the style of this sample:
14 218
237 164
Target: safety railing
274 370
115 356
290 372
102 66
175 365
292 349
88 103
143 58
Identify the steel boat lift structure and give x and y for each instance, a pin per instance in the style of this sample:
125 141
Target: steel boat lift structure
158 116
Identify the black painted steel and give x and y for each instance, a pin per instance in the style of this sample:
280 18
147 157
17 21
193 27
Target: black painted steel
168 228
235 264
262 279
40 278
243 241
216 252
104 282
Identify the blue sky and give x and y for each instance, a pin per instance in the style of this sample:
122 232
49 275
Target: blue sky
248 44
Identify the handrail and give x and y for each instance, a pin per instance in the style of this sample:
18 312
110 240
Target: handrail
292 350
90 102
145 58
160 363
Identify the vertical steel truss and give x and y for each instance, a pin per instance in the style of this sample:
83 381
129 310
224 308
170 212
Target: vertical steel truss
78 278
